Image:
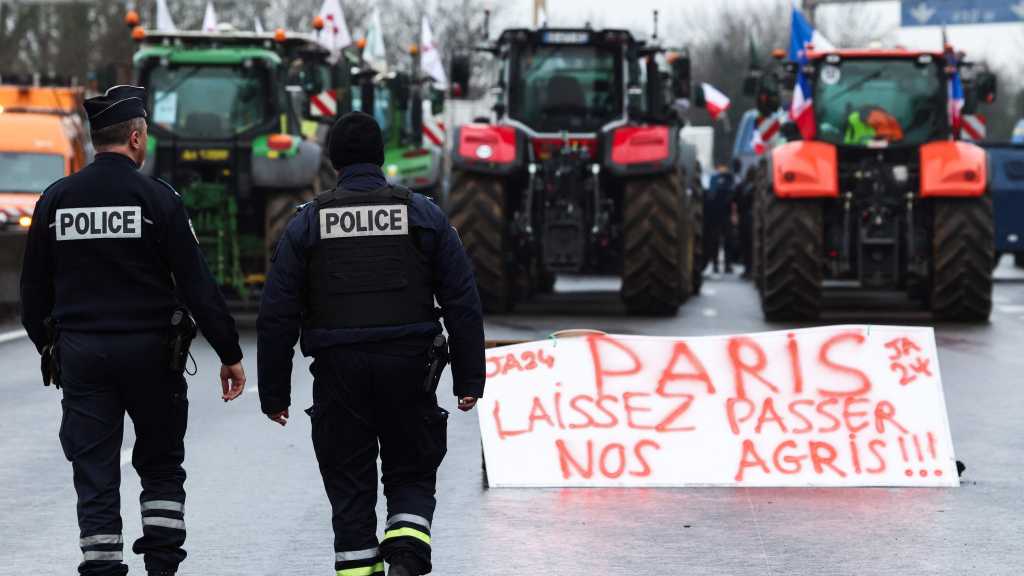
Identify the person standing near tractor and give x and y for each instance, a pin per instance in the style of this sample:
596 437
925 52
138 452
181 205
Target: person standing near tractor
109 263
356 274
718 201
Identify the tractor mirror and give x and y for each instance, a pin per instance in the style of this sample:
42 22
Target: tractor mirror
460 70
698 98
436 102
312 83
750 86
416 116
681 76
985 87
767 97
402 91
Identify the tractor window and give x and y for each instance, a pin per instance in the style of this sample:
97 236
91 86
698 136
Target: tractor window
574 88
209 101
381 106
866 101
27 172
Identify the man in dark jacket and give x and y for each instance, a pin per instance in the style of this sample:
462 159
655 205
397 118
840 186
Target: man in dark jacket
356 274
718 200
110 263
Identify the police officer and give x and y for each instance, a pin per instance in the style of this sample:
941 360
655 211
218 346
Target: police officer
110 259
357 272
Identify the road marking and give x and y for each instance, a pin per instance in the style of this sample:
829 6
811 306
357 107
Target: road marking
12 335
710 312
1012 309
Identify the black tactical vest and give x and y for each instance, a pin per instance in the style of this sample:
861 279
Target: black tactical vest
366 269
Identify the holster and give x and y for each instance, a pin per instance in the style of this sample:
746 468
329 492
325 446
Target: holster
438 359
183 331
49 361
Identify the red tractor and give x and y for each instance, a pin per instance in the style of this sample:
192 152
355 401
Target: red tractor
879 194
581 170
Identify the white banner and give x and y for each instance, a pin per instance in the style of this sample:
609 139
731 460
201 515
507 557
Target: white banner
830 406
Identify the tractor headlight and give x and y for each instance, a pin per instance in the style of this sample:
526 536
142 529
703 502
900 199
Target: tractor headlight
900 174
484 151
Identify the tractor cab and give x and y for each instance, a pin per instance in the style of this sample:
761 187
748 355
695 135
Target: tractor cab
398 100
225 134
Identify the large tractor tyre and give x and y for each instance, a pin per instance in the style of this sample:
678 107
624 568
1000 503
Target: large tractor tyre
543 280
792 252
962 252
757 258
477 210
658 239
281 207
699 259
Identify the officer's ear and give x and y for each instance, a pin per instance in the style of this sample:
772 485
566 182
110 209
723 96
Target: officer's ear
137 135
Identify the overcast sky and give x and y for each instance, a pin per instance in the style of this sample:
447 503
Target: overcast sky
1003 44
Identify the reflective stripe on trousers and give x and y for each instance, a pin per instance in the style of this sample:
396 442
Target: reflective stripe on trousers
102 548
174 521
364 562
408 525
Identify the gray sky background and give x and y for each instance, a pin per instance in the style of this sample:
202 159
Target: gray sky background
1001 44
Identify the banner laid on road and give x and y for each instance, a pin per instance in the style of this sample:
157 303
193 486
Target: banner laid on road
830 406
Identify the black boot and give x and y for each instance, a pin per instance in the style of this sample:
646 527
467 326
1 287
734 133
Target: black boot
400 570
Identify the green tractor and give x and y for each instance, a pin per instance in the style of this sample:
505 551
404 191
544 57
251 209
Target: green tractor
225 133
412 152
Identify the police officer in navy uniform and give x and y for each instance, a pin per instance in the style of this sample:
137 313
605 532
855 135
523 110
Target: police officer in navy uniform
111 258
357 272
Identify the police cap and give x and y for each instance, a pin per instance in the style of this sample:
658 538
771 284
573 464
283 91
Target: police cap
118 104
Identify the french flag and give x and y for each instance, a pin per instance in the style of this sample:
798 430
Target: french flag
955 90
715 101
802 35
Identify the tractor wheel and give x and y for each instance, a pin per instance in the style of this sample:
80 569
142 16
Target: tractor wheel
697 212
757 257
792 257
962 253
658 239
281 208
477 210
543 281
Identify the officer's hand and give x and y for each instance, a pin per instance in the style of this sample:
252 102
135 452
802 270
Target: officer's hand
281 417
466 403
232 381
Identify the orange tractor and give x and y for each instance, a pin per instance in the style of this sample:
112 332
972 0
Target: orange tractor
878 193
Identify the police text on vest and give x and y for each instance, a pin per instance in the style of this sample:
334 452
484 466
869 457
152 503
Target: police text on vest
355 221
102 222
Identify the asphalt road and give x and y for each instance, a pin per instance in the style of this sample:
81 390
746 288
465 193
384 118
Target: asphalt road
256 505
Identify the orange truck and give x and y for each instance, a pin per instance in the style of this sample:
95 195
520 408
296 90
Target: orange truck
42 139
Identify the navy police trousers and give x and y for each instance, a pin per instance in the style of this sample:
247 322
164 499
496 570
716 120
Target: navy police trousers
365 397
105 375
